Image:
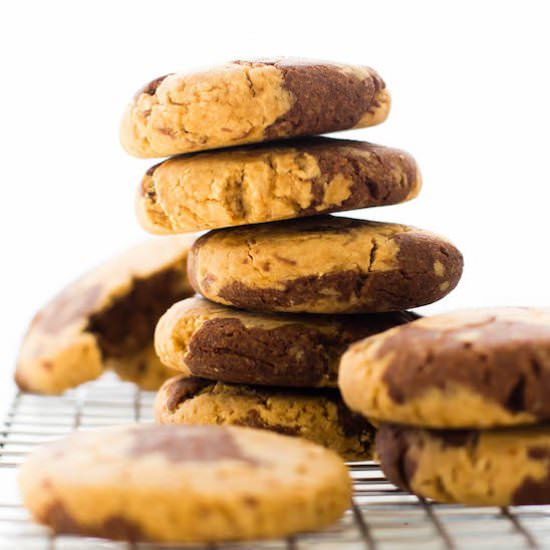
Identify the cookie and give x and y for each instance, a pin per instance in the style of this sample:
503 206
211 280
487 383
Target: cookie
502 467
248 102
105 319
471 369
317 415
184 484
204 339
273 182
144 368
324 264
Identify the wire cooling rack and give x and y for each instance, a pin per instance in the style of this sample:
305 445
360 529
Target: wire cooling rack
382 517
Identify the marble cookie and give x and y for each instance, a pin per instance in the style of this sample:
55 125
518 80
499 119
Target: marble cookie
184 484
209 340
105 320
317 415
273 182
500 467
324 264
479 368
251 101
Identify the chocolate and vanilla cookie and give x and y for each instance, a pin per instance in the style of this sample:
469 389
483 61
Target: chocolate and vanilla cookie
273 182
317 415
470 369
209 340
184 484
324 264
143 368
106 320
251 101
502 467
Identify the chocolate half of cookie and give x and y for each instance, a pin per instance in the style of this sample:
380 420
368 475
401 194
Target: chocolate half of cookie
105 319
324 264
257 184
498 467
212 341
326 97
317 415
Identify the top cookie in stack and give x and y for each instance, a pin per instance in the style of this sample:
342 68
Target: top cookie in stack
251 102
273 249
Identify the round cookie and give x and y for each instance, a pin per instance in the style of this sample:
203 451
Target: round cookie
324 264
251 101
470 369
273 182
106 319
184 484
503 467
319 415
204 339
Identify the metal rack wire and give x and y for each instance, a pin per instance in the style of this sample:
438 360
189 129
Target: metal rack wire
382 517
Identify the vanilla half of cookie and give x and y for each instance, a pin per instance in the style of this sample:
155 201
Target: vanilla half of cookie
105 320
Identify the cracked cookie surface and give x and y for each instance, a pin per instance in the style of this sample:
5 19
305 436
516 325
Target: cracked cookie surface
207 483
209 340
105 320
273 182
504 467
251 101
324 264
469 369
317 415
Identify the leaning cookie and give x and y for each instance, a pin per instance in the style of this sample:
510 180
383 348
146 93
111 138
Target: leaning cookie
479 468
184 484
251 101
469 369
105 319
317 415
204 339
324 264
273 182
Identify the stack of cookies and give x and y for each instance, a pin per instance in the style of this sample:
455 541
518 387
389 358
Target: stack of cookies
461 400
285 287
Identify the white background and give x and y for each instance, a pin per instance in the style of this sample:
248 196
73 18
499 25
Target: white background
471 100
